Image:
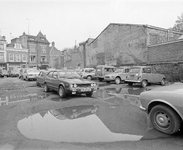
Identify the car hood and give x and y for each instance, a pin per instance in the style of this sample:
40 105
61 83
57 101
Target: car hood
78 81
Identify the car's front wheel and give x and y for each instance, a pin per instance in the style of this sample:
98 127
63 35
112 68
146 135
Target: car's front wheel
61 92
46 89
89 77
117 80
162 82
165 119
144 83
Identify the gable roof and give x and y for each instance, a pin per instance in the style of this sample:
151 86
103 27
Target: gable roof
138 25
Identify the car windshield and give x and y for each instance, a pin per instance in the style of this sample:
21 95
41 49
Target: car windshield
68 74
134 70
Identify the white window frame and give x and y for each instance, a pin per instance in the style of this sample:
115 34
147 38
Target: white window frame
17 57
2 56
11 60
24 56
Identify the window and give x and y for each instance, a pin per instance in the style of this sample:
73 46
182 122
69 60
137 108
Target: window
55 74
43 48
32 47
43 59
17 57
146 70
50 74
1 46
11 57
24 57
1 57
32 58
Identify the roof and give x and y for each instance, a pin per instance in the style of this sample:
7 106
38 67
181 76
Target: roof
138 25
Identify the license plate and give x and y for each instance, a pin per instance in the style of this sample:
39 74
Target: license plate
85 89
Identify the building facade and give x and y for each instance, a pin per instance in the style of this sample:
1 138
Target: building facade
17 57
56 57
37 48
3 60
125 44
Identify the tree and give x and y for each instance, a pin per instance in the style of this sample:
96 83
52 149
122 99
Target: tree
178 26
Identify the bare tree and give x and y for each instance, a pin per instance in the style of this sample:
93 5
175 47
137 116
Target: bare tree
178 26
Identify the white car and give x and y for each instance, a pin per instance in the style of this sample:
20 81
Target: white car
165 107
30 74
88 73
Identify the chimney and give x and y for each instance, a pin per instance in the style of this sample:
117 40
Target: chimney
53 44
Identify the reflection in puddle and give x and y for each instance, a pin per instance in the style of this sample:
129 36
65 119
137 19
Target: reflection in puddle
19 97
86 124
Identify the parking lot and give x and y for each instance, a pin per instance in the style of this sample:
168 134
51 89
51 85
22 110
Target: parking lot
110 119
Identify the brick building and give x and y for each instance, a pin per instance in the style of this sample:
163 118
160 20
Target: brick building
37 48
56 57
124 44
3 52
17 56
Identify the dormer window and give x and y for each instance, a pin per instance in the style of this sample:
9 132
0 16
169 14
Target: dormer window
42 39
18 46
31 39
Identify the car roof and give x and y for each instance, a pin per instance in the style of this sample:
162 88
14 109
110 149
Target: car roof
140 67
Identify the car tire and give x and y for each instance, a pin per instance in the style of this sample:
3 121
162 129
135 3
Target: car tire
89 94
61 92
144 83
89 77
46 89
130 83
162 82
165 119
118 80
100 79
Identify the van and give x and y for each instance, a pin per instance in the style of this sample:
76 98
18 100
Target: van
102 70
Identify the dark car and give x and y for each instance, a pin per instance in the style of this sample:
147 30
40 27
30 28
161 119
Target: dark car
40 79
68 82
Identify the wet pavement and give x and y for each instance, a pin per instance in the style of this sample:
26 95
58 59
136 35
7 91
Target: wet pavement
122 121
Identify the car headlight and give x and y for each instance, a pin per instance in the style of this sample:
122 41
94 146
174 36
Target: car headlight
73 85
93 84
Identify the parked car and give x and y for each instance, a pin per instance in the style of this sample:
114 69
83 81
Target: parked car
4 73
68 82
118 76
144 75
165 107
102 70
88 73
30 74
40 79
14 73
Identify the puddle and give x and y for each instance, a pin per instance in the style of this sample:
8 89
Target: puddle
87 124
22 96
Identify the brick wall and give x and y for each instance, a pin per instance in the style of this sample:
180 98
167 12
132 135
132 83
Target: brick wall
168 52
167 59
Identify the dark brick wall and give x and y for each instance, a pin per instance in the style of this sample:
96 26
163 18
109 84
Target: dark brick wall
165 52
172 71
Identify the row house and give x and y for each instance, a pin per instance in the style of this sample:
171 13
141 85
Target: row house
17 57
3 52
37 46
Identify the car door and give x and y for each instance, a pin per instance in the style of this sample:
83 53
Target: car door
156 76
147 74
55 81
49 79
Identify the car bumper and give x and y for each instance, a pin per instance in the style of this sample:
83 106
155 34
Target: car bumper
108 79
80 91
134 81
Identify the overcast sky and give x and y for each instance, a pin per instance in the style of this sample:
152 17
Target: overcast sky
67 21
